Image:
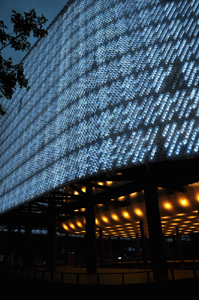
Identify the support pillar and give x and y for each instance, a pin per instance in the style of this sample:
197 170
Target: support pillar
27 246
119 247
165 247
174 247
27 242
155 229
143 244
7 248
52 236
179 244
17 251
91 249
138 249
66 249
16 259
101 248
110 250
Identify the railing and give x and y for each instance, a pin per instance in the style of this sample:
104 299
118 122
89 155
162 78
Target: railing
80 278
101 278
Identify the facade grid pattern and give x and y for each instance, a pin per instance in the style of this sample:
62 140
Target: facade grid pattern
114 84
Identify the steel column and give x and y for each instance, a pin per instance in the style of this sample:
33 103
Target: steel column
91 250
155 229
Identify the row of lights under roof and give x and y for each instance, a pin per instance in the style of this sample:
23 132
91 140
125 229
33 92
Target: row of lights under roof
115 231
130 229
167 230
167 205
186 225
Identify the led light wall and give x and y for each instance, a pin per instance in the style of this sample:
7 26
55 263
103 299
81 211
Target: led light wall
113 85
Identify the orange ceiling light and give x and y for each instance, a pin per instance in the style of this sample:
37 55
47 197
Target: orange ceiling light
72 225
122 198
184 202
133 195
83 189
126 214
138 212
65 227
79 224
167 205
115 217
104 219
109 183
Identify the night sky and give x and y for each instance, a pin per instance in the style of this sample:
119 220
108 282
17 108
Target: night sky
49 8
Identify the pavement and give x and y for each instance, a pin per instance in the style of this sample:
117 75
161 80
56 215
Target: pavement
39 283
24 287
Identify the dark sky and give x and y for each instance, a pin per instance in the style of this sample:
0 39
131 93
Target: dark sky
49 8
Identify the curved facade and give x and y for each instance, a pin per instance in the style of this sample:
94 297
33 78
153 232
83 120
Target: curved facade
113 85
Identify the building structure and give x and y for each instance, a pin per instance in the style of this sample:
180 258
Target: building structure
112 111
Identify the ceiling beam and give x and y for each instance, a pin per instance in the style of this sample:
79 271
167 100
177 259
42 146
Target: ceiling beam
100 198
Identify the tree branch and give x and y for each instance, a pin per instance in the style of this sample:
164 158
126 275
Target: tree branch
5 46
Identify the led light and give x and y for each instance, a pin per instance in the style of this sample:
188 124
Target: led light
72 225
104 219
115 217
122 198
126 214
138 212
79 224
181 214
184 202
65 227
132 195
167 205
109 90
109 183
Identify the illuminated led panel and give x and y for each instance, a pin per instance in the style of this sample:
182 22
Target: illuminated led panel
113 85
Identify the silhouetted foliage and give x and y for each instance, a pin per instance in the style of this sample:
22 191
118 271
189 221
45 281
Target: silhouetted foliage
13 74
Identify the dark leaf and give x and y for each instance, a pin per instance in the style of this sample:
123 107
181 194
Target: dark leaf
23 26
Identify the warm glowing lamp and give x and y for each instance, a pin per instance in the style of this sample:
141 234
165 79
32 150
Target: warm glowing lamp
105 219
167 205
126 214
114 217
138 212
184 202
72 225
84 189
79 224
132 195
109 183
122 198
65 226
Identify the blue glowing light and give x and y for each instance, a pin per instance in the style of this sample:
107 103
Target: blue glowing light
114 84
